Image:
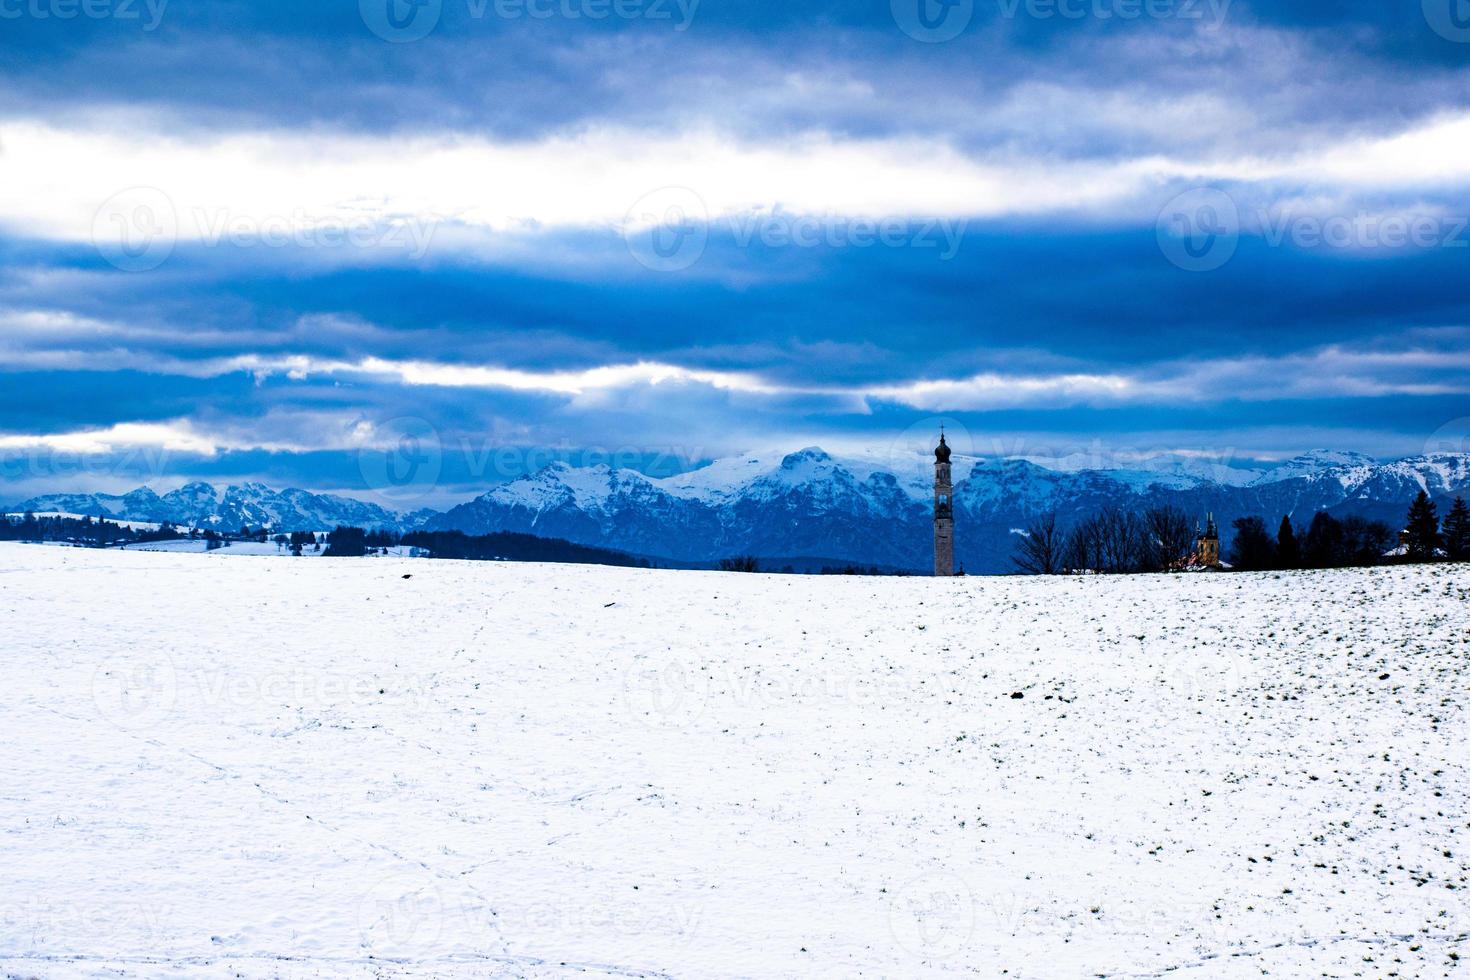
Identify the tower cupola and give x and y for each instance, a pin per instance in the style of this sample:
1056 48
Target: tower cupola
941 452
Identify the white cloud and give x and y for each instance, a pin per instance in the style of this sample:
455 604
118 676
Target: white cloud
57 178
177 436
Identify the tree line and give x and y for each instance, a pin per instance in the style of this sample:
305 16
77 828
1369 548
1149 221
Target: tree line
1116 541
341 542
1113 541
87 532
354 542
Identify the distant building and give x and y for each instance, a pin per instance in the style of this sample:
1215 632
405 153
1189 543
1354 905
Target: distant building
943 512
1207 546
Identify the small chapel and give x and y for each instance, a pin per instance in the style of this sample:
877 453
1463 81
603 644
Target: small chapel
1207 546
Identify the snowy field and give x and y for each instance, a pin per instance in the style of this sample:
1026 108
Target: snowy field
259 767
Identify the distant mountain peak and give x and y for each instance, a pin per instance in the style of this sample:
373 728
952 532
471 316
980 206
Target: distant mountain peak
1319 462
811 454
1335 457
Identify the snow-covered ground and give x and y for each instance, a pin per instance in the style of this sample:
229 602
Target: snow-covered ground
257 767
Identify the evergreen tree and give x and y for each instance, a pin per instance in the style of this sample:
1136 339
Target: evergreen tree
347 542
1456 531
1288 551
1423 529
1253 550
1364 542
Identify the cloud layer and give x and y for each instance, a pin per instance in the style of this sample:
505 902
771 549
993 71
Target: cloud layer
251 236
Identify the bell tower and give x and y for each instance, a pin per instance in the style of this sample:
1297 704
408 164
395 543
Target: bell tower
943 511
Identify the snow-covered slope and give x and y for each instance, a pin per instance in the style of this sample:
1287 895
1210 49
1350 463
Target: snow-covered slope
1318 462
327 769
1167 469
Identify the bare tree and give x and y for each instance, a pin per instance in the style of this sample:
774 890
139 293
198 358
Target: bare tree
1119 533
740 563
1041 549
1084 547
1172 537
1112 542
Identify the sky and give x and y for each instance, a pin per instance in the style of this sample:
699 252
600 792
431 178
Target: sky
358 246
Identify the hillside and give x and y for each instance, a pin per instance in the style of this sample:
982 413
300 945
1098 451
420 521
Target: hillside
331 769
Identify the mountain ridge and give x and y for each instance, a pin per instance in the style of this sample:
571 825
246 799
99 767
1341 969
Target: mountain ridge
225 507
871 510
810 502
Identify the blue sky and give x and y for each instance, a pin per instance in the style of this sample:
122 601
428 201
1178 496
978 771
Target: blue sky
261 240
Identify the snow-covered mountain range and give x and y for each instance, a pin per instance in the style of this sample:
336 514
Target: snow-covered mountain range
226 508
810 504
810 507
